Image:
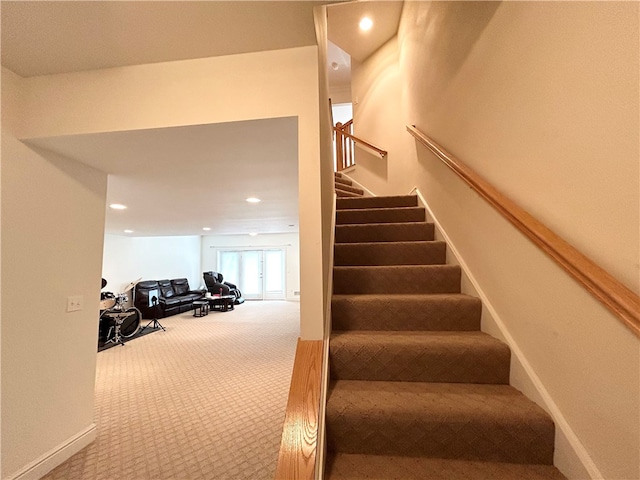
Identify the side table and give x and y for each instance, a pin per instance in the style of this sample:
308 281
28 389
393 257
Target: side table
222 303
200 308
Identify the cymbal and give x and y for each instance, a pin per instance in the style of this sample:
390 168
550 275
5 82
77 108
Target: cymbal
132 284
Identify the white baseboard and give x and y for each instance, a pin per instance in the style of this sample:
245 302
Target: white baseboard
50 460
581 463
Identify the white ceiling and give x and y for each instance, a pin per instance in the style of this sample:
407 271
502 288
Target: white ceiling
177 180
343 20
47 37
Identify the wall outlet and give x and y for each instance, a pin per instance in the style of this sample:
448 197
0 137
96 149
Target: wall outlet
75 303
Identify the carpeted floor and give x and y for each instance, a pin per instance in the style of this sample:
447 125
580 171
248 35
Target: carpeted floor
203 400
142 331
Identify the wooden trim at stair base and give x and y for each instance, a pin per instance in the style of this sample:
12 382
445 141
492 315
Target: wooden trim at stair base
298 448
620 300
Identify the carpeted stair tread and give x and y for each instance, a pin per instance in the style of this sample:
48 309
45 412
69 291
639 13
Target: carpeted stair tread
343 181
395 253
344 194
437 312
397 279
380 215
348 188
343 466
402 356
493 423
378 202
384 232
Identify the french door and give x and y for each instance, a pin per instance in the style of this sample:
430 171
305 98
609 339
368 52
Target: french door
259 274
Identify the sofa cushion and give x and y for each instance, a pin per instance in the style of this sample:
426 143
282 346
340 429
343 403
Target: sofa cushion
190 297
180 286
166 289
171 302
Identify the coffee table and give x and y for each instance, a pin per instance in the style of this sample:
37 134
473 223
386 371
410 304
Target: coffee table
200 308
222 303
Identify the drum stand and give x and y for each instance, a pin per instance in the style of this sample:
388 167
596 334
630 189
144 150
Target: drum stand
155 321
118 318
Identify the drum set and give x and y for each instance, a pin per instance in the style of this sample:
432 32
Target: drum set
117 321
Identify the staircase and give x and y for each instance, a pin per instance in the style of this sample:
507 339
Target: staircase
417 391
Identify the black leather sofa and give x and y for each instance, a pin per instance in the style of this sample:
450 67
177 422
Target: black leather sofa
174 296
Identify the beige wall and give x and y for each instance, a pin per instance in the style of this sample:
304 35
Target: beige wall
43 195
542 100
52 231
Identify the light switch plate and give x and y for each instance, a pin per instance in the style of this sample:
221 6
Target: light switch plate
74 303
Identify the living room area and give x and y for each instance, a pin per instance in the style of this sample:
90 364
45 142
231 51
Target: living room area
69 138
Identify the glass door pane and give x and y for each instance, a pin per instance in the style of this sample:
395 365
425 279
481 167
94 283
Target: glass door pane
230 267
274 274
251 274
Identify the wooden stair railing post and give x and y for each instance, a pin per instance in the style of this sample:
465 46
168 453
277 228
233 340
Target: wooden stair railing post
339 147
345 145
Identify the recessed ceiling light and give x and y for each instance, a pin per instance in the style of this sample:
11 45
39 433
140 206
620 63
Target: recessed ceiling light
128 231
253 200
334 65
253 234
206 229
365 24
117 206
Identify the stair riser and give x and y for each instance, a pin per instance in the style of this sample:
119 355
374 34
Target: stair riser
434 362
405 279
344 194
343 466
388 313
395 434
391 215
390 253
377 202
384 233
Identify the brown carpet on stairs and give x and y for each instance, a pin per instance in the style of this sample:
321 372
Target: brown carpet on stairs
345 188
417 391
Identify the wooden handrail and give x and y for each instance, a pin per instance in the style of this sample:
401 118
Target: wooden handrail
379 151
623 302
299 444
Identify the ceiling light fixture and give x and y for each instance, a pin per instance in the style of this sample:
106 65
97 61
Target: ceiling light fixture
117 206
334 65
253 200
253 234
365 24
206 229
128 231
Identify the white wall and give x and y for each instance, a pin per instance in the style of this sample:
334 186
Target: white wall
126 259
212 244
52 232
540 98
